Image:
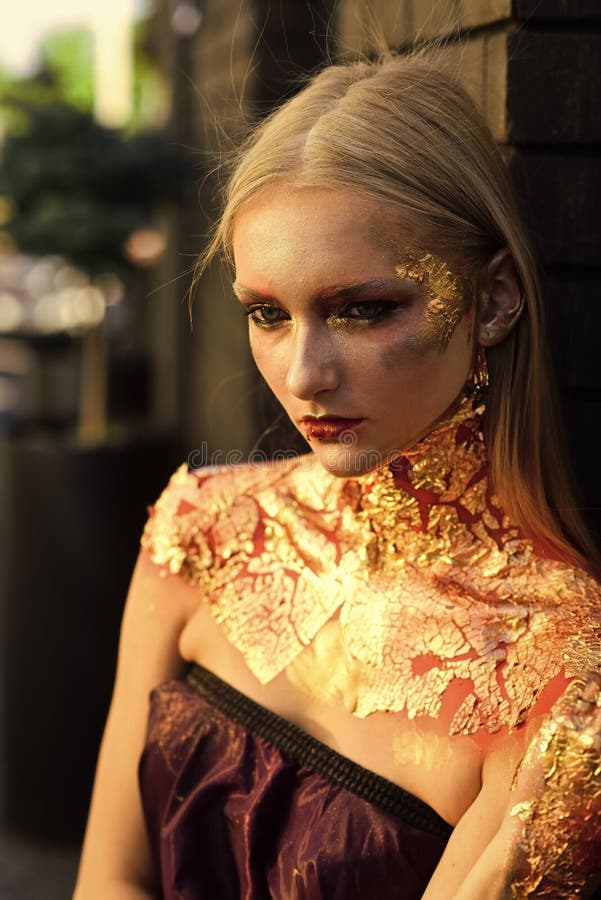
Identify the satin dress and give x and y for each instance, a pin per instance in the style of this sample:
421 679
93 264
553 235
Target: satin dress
241 803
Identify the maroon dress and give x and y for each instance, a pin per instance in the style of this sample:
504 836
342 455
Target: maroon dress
240 803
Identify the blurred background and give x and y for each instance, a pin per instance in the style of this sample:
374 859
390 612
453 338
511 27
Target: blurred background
115 118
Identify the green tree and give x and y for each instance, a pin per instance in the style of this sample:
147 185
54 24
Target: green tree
79 189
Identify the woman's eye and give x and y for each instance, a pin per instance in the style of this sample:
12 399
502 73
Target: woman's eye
265 316
370 310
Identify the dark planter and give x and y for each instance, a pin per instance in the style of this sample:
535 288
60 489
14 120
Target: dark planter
70 523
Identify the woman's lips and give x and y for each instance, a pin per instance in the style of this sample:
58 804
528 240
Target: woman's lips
332 429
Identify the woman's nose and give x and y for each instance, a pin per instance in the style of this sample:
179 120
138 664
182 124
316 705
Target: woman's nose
313 365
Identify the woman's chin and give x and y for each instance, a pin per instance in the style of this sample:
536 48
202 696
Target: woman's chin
346 462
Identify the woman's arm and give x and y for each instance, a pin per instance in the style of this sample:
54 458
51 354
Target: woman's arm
476 831
116 861
548 838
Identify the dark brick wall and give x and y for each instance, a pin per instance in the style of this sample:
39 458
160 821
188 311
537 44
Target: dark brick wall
563 11
246 56
554 128
553 83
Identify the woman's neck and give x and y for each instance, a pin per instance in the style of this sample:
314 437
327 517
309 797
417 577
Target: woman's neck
434 492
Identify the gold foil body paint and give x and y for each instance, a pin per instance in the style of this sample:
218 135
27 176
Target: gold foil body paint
427 593
444 294
561 838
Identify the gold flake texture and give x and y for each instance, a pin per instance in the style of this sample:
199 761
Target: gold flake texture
381 592
561 836
444 293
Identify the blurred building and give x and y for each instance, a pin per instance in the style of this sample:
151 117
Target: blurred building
228 63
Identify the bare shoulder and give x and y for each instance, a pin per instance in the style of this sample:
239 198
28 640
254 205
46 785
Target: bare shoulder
204 512
197 528
159 604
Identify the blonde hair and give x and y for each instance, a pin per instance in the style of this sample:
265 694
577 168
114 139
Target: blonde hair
402 131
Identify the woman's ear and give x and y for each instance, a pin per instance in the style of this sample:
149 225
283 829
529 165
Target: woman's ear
500 299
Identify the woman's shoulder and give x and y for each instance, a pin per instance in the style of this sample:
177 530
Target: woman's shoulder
202 508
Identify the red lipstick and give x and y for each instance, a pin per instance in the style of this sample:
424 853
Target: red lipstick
331 429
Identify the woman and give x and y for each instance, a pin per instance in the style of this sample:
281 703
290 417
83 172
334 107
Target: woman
374 667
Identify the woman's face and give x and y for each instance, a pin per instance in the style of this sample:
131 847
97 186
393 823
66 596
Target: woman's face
359 332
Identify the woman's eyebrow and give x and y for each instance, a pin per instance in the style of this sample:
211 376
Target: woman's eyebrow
240 291
336 292
359 289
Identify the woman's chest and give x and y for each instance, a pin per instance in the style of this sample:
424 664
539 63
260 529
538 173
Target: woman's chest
412 673
419 756
391 612
432 641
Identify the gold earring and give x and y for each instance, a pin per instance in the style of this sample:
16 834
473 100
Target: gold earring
478 380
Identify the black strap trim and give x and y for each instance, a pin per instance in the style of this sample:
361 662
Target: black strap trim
309 751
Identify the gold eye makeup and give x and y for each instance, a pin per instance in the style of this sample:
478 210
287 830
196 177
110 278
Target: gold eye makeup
350 306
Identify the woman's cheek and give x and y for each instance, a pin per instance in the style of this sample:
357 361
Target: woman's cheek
259 355
409 354
271 361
